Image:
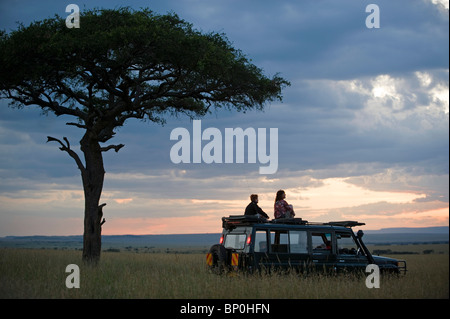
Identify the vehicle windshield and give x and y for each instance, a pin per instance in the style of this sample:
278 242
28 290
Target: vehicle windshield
346 243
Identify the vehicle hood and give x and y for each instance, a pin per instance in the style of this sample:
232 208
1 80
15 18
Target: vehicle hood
379 260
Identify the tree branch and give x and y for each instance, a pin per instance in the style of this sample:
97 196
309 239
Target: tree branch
29 96
77 125
115 147
66 148
100 214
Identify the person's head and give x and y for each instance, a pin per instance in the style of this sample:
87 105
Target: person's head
280 195
254 198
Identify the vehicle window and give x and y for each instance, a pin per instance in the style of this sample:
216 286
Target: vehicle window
279 241
298 242
235 241
346 244
321 242
260 241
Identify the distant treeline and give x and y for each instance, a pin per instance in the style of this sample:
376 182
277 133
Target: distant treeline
193 241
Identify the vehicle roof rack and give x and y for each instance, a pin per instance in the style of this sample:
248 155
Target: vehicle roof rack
290 221
345 223
232 221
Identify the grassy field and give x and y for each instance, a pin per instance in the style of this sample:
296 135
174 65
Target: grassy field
40 273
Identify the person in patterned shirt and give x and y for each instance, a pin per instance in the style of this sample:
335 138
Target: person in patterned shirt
281 208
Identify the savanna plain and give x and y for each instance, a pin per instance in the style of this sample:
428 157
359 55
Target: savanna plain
41 273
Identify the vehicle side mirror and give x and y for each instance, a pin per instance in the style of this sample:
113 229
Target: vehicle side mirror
360 234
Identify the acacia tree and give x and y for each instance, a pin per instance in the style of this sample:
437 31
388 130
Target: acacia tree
123 64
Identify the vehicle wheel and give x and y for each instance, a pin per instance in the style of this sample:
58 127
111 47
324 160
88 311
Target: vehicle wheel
219 255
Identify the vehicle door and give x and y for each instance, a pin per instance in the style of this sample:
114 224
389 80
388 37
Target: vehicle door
279 248
298 249
349 257
323 250
261 242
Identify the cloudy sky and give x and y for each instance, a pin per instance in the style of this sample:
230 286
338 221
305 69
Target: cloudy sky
362 130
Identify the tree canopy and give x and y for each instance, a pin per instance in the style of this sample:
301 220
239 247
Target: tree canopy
124 64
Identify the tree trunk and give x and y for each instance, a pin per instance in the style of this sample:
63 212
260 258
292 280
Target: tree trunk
93 177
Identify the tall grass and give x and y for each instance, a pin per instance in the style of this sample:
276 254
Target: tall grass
41 274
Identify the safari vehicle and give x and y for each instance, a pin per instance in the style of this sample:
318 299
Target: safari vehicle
250 243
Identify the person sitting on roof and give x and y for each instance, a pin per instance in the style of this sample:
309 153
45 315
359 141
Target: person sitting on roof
254 209
281 208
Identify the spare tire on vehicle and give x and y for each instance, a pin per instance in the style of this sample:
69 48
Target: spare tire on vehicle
219 257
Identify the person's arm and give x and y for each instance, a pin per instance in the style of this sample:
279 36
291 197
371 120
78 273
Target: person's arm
261 212
288 208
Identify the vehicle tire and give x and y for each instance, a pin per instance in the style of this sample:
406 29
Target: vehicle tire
219 255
